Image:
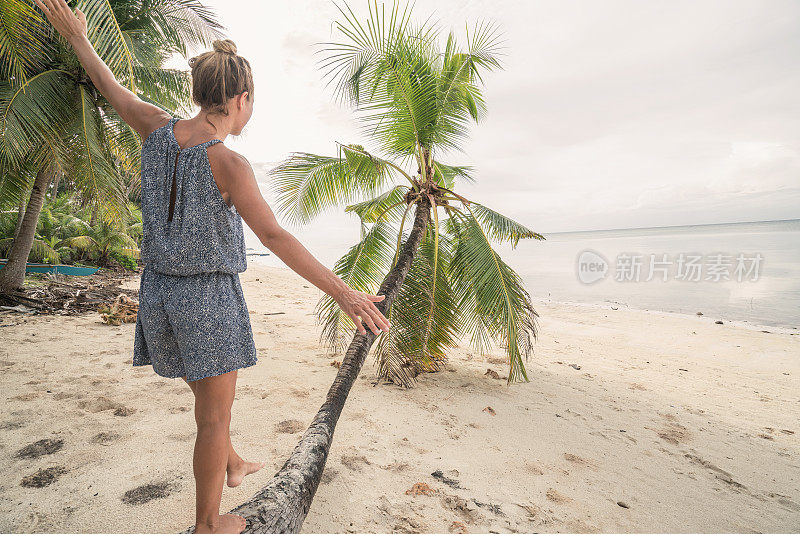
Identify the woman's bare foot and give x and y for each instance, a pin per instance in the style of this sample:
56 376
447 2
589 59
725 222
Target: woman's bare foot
228 524
241 469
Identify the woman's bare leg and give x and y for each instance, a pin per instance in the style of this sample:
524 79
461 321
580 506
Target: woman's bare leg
237 468
212 412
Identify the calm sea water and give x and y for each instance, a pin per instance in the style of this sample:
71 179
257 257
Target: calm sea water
767 294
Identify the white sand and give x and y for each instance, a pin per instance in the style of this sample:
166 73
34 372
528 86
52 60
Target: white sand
712 448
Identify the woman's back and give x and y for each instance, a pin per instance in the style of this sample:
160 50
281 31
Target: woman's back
187 226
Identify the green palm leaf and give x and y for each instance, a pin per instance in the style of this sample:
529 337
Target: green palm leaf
388 205
362 268
23 40
491 297
501 228
108 41
424 316
307 184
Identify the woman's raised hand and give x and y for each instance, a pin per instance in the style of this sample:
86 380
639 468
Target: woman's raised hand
360 306
70 25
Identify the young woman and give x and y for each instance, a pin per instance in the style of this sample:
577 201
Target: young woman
193 321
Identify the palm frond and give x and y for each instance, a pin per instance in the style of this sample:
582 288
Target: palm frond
387 205
108 40
501 228
424 316
446 174
306 184
492 299
33 111
362 268
23 40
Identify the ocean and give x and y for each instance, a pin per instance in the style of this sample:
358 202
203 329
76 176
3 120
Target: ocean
748 271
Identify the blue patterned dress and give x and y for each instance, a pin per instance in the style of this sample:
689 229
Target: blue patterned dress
192 320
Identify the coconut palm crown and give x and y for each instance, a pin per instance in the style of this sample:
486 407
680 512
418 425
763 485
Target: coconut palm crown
415 103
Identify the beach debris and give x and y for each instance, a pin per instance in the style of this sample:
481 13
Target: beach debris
699 313
531 509
494 508
718 322
274 313
148 492
453 483
43 477
420 488
53 296
336 363
682 369
622 504
575 366
21 308
492 373
122 310
40 448
457 527
489 410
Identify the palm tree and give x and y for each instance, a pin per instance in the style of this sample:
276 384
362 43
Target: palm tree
443 278
416 102
54 122
101 240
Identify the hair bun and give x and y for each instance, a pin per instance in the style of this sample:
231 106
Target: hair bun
226 46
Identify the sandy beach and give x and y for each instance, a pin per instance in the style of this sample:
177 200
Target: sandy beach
633 421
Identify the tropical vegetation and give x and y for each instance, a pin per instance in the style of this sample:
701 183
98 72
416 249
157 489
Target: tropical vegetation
56 126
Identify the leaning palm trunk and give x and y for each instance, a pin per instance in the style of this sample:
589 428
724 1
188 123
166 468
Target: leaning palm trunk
12 276
282 505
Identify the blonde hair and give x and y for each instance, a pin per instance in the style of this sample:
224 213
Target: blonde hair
218 75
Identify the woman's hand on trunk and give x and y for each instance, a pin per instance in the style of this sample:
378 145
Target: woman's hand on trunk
361 306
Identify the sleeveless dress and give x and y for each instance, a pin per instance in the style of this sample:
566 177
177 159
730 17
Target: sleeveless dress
192 320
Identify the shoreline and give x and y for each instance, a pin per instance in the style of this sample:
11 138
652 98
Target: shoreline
736 322
690 425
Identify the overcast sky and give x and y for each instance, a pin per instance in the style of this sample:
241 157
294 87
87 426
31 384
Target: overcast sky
608 114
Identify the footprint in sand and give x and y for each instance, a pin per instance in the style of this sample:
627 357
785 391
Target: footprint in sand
40 448
26 397
124 411
289 426
557 497
672 432
578 460
149 492
12 425
354 462
105 438
328 475
99 404
43 477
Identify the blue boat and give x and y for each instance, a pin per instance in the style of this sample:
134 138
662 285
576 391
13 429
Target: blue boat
72 270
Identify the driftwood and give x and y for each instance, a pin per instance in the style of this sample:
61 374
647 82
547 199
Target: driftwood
85 294
281 506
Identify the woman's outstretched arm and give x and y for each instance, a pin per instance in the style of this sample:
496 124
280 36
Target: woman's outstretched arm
233 174
142 116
